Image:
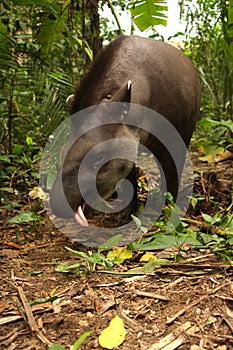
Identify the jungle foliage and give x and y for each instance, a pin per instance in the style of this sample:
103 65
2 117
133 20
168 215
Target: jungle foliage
209 48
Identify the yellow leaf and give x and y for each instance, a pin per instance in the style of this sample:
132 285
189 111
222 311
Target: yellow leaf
120 255
113 335
210 152
16 106
37 192
147 257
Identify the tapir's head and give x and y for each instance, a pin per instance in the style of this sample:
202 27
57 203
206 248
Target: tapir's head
99 154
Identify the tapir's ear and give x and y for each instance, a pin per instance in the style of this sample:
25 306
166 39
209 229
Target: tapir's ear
123 94
69 101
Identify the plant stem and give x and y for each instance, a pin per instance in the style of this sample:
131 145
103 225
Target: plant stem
10 114
115 16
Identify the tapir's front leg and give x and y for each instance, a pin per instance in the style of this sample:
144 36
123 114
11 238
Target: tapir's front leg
132 207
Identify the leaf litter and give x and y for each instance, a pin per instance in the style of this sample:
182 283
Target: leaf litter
183 302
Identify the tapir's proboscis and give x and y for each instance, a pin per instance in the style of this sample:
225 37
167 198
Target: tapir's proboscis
130 70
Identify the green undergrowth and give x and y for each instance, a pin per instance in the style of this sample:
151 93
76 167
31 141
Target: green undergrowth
212 233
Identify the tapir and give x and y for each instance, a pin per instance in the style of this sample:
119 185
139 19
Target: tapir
133 71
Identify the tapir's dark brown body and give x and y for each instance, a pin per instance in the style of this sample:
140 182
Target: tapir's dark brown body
162 79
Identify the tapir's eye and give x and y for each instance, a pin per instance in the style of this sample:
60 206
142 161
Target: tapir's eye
99 160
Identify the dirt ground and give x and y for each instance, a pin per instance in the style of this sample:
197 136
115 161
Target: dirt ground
187 304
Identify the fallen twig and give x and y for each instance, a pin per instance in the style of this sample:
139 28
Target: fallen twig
174 339
10 337
149 295
212 228
180 312
30 318
28 310
45 307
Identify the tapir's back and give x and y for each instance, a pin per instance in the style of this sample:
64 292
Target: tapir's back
162 77
161 74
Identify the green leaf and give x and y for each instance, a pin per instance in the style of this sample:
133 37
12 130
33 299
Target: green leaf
4 43
149 13
7 189
5 159
82 254
209 122
64 268
95 258
208 219
194 202
227 222
52 27
49 31
43 300
32 2
211 320
56 347
149 267
29 141
137 221
18 149
110 243
139 224
24 217
162 241
87 47
80 340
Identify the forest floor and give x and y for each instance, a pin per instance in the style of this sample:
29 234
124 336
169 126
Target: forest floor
187 304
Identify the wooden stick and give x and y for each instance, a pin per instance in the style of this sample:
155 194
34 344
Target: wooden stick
30 318
173 339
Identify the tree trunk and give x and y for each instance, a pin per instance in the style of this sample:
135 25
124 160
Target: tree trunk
230 26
